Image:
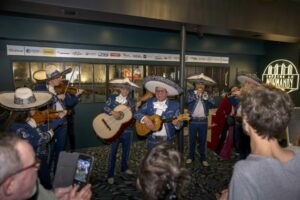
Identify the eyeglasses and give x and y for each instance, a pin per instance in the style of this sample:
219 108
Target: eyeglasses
35 165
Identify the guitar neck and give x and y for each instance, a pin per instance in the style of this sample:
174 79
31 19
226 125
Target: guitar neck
168 120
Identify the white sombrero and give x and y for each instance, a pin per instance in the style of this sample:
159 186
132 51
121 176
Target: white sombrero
247 77
51 72
124 83
201 78
24 99
151 82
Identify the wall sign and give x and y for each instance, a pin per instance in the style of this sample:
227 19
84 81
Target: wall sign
15 50
282 73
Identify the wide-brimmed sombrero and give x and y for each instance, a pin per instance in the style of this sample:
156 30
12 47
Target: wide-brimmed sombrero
24 99
247 77
201 78
118 83
51 72
151 82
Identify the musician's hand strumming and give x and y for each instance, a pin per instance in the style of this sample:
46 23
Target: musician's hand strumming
148 123
175 122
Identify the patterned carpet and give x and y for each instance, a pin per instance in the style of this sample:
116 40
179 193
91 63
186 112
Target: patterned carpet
205 181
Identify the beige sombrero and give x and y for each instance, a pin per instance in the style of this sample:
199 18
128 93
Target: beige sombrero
24 99
247 77
151 82
124 83
201 78
51 72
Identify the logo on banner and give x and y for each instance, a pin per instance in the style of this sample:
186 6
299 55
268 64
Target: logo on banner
282 73
49 52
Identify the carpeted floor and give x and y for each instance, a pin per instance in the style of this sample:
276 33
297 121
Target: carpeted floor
206 181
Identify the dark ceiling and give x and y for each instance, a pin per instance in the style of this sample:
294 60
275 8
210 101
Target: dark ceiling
273 20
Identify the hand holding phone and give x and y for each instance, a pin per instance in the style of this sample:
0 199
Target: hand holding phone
83 170
73 168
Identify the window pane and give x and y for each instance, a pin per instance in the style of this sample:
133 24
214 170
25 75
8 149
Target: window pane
86 81
74 76
21 74
99 82
168 72
138 74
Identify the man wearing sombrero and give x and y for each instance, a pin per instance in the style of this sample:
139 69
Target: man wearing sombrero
23 104
247 80
199 101
162 106
122 98
60 102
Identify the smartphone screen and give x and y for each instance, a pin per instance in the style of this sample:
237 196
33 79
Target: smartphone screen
83 170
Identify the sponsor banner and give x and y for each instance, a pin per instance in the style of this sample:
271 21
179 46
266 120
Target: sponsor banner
63 52
283 74
15 50
101 54
33 51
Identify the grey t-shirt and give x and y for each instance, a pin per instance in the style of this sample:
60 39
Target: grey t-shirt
266 178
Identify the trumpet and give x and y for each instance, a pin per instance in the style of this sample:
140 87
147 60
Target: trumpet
204 95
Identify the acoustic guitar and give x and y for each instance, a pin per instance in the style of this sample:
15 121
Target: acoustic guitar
142 129
108 128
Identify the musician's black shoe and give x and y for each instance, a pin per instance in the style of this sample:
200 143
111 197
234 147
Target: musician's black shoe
111 180
129 172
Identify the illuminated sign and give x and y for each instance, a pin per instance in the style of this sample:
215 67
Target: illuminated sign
283 74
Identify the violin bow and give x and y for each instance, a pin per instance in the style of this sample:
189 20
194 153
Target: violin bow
70 80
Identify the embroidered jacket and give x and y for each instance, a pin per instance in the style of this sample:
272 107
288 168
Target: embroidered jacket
38 136
192 100
171 112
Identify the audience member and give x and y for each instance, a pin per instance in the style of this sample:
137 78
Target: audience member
247 80
269 172
162 174
18 175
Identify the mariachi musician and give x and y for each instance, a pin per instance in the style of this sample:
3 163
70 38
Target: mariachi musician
162 106
54 79
125 86
199 102
23 104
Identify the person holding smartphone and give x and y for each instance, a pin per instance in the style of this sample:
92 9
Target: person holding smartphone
18 176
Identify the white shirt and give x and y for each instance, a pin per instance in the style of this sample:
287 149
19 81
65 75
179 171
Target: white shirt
121 100
199 110
58 106
161 107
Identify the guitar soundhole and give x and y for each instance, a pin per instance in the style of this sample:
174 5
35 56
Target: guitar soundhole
121 115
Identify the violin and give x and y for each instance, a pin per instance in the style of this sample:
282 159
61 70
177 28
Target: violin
62 89
41 117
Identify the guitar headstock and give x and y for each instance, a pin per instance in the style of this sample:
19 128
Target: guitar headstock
183 117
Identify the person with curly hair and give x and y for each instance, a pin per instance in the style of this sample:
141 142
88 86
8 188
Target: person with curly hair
270 171
162 174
